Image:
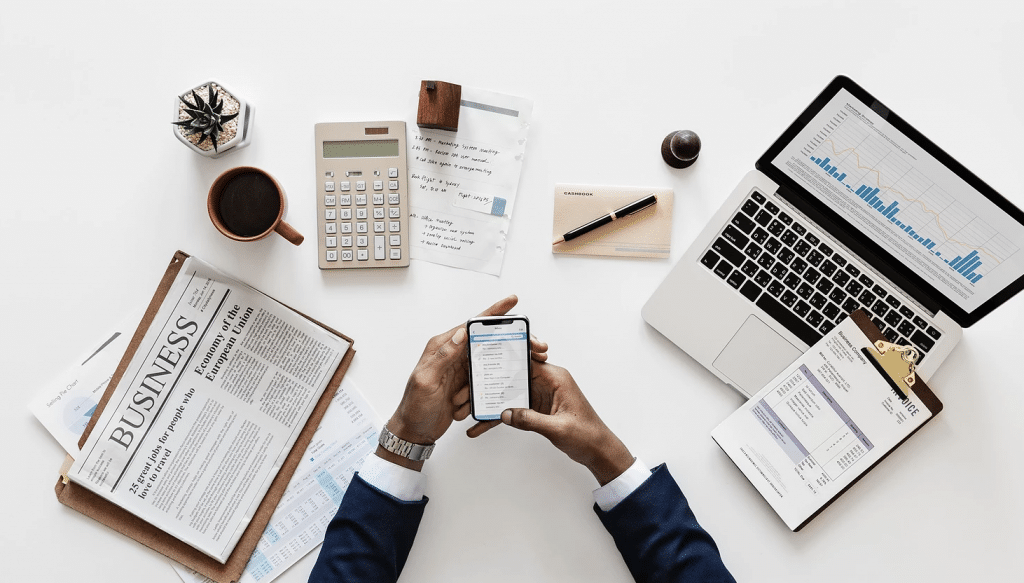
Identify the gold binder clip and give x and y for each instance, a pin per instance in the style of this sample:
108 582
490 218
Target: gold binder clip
896 363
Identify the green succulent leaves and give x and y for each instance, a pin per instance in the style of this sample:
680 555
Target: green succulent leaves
205 118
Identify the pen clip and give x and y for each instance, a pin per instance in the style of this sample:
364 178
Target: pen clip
632 208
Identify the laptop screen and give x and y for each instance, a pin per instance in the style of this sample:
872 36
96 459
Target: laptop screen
963 239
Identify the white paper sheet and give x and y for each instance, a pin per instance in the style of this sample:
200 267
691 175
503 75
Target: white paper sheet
66 404
347 434
463 185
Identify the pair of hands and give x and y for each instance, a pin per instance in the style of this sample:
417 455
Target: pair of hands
438 394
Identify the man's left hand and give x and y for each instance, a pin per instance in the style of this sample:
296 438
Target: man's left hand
437 392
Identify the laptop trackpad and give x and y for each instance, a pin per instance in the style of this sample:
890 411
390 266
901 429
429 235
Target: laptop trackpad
755 355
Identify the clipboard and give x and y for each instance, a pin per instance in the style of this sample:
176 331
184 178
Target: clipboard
119 519
920 390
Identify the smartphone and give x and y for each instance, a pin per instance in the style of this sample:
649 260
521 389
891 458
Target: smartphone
499 365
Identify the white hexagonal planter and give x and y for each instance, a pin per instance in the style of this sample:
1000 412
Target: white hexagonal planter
206 120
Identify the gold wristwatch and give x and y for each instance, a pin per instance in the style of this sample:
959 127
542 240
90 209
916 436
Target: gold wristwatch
406 449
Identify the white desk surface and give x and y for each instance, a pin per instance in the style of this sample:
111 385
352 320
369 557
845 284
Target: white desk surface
98 194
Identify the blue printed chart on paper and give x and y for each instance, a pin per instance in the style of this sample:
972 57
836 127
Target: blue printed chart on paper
896 193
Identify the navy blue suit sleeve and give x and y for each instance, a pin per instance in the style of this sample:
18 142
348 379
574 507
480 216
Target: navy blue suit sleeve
659 537
369 538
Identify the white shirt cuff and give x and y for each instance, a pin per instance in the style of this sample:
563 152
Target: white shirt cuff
609 495
391 478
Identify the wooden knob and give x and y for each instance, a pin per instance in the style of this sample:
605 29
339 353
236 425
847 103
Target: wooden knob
680 149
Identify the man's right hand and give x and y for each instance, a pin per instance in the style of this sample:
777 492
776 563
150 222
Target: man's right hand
561 413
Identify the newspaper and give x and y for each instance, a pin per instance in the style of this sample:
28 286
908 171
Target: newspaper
208 409
347 434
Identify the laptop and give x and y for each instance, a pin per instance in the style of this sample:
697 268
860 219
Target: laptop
850 208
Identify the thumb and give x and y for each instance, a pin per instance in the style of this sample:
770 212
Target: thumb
452 349
528 420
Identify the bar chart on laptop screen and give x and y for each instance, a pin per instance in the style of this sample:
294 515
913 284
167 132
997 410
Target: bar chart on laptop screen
882 182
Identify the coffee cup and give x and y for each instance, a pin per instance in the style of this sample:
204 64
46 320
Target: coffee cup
247 204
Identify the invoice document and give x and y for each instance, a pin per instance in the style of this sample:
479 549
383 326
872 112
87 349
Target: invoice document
821 423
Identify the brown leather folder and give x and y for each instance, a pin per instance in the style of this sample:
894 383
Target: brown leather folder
119 519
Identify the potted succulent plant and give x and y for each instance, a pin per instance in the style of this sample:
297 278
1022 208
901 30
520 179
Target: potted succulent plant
211 120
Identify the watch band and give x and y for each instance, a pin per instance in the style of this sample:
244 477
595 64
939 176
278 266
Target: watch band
406 449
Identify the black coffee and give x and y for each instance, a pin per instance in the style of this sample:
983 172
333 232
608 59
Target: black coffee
250 204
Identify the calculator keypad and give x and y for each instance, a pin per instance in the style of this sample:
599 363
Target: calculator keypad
363 212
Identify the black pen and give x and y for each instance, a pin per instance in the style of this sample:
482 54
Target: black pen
629 209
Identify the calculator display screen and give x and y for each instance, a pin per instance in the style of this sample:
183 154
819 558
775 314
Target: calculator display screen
361 149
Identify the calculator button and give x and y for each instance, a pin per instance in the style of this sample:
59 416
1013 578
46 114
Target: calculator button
331 228
394 212
346 227
393 198
361 227
378 198
360 185
362 254
328 186
361 199
360 240
378 213
392 172
346 186
395 240
396 253
378 185
360 213
346 240
332 255
378 226
330 242
346 214
378 247
330 200
345 199
346 255
330 214
392 185
394 226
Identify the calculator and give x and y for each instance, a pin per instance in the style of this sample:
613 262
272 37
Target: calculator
362 195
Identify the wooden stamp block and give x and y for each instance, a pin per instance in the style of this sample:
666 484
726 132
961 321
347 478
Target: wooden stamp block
439 105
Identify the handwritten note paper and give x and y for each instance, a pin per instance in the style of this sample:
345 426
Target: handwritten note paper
463 185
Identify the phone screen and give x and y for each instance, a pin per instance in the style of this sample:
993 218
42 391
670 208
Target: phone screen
499 353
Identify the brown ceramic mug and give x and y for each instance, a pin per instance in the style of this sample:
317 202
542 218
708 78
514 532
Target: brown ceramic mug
247 204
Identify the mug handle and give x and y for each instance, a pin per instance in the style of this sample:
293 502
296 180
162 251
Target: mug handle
288 232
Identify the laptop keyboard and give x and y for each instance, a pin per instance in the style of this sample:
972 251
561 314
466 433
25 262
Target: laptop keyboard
806 285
